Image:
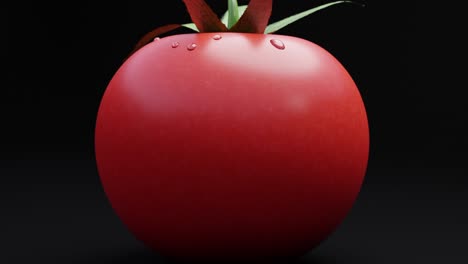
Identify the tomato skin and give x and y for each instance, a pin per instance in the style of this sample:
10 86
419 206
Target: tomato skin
236 148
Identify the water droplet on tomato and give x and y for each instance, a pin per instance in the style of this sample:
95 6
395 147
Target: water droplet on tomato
277 44
192 46
175 44
217 37
157 39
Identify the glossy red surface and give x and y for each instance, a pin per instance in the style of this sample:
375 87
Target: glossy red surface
233 147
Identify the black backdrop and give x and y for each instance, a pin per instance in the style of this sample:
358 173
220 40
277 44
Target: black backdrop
57 58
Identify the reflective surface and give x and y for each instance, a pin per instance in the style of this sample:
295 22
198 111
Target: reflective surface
233 148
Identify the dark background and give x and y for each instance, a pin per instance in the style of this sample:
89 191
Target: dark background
57 58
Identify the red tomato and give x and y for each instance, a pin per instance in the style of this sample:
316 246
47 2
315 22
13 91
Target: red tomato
248 145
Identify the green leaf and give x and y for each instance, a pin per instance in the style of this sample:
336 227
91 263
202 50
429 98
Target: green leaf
241 9
191 26
233 11
284 22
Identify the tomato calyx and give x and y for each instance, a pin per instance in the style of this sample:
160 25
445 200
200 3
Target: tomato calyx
251 18
203 16
255 18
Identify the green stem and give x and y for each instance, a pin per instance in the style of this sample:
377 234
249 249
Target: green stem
233 11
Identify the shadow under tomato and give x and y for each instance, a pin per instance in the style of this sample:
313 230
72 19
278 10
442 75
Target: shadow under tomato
146 256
